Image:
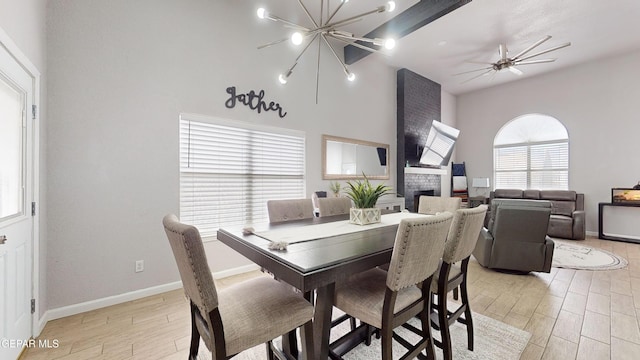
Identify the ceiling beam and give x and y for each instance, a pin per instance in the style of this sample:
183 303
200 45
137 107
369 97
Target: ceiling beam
404 24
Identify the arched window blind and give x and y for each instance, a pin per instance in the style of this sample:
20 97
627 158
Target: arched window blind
228 171
532 152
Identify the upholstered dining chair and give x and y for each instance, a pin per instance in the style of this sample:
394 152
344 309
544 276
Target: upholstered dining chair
288 210
314 200
461 241
388 299
239 317
434 204
334 206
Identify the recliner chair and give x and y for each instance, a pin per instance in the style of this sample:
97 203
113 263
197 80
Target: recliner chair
516 237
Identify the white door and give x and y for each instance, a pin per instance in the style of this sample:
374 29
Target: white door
16 193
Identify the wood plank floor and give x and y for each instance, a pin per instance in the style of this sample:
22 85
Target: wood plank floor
571 314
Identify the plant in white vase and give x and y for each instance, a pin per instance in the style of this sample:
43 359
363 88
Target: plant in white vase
364 197
335 188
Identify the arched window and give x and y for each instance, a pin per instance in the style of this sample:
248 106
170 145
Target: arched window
531 152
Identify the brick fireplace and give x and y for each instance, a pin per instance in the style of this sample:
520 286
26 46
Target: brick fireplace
418 101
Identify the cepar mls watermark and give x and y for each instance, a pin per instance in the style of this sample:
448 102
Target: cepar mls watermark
29 343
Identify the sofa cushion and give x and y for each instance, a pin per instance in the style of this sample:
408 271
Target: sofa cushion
565 208
564 195
531 194
560 226
508 193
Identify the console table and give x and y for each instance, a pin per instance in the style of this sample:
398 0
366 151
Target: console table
391 203
619 237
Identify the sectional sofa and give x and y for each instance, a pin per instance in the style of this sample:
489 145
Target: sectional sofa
567 219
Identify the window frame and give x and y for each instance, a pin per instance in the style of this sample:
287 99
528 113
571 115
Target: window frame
529 145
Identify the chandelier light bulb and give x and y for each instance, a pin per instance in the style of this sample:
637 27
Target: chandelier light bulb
391 5
296 38
389 44
351 76
282 79
262 13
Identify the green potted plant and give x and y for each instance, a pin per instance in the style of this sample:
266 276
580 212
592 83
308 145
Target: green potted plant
364 197
335 188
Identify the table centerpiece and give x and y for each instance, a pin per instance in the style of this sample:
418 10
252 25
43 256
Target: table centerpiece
364 197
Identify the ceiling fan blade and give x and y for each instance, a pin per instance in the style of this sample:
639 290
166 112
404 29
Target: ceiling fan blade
515 70
532 47
477 76
541 61
502 50
471 71
493 76
478 62
545 51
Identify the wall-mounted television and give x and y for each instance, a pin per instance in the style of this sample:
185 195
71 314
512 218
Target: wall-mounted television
439 146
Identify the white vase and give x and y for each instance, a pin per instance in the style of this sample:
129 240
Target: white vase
364 216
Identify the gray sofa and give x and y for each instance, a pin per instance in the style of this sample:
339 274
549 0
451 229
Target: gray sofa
567 210
516 237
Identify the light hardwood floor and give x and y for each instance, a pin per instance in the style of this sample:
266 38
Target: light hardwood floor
571 314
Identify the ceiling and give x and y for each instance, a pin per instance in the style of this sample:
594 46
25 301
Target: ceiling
472 33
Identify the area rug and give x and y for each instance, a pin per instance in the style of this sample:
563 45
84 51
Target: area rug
573 256
493 340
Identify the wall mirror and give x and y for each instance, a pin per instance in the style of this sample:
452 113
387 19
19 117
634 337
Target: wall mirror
344 158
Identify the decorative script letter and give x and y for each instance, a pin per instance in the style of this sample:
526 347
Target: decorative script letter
255 101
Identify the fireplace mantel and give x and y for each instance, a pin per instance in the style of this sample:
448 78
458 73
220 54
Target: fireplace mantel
424 171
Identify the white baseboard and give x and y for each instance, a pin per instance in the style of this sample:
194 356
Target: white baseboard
110 300
65 311
592 233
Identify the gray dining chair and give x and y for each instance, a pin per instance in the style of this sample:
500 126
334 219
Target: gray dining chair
288 210
334 206
239 317
461 241
432 205
388 299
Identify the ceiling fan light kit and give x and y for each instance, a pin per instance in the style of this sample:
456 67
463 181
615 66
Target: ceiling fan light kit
511 63
323 29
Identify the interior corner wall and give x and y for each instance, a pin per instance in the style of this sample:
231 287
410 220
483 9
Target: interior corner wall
121 72
598 104
24 21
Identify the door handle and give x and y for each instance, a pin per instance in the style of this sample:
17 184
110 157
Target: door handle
3 239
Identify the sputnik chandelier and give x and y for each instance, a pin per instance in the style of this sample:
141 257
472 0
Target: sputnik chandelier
326 28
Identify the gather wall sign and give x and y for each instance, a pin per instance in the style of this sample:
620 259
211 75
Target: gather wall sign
255 101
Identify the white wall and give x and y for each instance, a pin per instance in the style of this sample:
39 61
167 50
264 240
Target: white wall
599 104
449 117
120 74
24 22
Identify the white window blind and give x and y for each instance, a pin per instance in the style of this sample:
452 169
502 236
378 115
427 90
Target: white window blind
531 164
229 170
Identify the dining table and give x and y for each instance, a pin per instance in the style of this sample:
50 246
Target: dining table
312 255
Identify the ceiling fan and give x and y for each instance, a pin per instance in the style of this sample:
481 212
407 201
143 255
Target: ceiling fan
511 63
